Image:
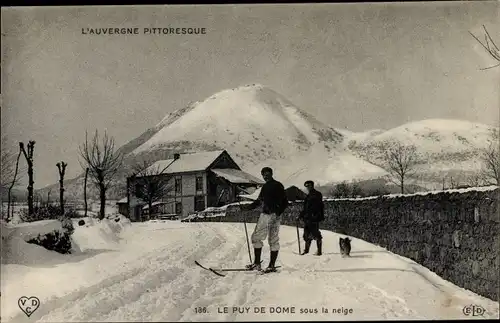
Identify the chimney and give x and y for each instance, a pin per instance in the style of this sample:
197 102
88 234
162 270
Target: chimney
177 156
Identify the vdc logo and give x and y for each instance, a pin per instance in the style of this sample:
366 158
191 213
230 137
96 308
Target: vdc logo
28 304
473 310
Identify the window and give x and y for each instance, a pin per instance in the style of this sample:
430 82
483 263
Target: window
199 183
199 203
178 208
138 189
178 185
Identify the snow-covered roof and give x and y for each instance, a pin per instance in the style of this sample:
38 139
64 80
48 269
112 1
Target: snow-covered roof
191 162
145 207
252 196
237 176
123 200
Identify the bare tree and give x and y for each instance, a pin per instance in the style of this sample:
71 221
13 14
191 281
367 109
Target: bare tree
490 158
8 160
341 190
103 162
474 180
489 45
356 190
62 171
85 190
28 155
150 183
9 172
48 196
399 161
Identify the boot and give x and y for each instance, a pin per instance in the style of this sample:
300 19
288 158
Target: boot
272 262
319 243
256 263
306 250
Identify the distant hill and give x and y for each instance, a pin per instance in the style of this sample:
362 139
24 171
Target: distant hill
450 148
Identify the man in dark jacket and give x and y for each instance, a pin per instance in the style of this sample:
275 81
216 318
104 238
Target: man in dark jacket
273 200
312 215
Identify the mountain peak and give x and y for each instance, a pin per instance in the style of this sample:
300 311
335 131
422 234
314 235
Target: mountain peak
253 122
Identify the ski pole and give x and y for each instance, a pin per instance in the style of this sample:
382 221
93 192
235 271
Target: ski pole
248 242
246 233
298 236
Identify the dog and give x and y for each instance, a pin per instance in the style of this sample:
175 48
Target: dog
345 247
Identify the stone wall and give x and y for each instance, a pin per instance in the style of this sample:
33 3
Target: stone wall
453 233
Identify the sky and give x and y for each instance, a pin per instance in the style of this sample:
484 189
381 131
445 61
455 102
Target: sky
354 66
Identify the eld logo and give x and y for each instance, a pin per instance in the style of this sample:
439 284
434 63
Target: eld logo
473 310
28 304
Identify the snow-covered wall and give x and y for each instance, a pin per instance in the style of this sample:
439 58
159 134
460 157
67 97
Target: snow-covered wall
453 233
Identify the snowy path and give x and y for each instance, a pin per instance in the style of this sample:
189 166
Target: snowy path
151 276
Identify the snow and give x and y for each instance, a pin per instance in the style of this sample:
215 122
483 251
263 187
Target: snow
237 176
458 190
149 274
145 207
321 167
253 196
30 230
186 163
257 127
436 136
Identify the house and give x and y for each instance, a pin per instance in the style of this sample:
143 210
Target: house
196 181
123 206
293 193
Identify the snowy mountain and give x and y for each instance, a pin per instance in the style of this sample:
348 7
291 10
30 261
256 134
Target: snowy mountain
253 123
447 147
259 127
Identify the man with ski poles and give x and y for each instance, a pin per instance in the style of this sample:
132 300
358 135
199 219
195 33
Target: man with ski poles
312 214
272 198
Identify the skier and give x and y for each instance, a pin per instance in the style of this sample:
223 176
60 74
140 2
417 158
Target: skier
312 214
273 199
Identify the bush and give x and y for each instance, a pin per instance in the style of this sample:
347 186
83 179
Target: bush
81 222
67 225
72 213
56 241
47 212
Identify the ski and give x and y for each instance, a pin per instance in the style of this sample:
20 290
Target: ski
263 272
209 269
218 271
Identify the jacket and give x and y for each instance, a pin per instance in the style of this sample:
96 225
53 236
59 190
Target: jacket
272 197
314 208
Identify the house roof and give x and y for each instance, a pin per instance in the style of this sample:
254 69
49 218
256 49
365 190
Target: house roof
123 200
186 163
294 193
236 176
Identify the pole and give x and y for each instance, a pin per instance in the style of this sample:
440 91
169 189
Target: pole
248 242
246 233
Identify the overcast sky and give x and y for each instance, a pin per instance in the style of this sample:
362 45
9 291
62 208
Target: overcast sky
355 66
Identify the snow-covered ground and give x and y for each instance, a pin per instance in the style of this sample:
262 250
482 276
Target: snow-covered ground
146 272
